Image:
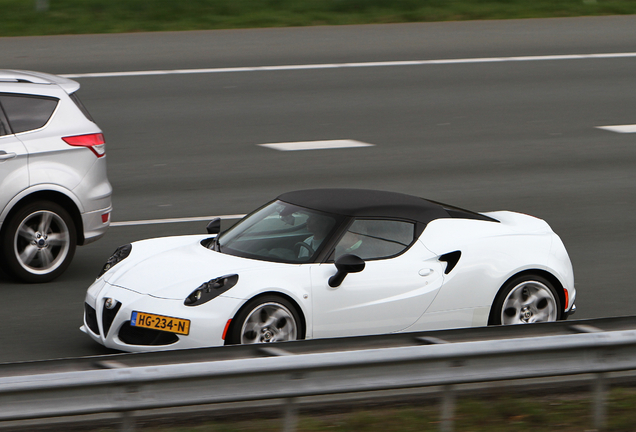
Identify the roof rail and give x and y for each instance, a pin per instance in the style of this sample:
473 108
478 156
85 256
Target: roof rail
23 76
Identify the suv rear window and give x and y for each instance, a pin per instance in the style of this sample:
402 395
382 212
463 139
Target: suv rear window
26 112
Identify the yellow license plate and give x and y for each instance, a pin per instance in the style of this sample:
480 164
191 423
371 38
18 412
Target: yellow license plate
160 322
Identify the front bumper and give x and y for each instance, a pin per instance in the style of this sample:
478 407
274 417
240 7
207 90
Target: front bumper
111 327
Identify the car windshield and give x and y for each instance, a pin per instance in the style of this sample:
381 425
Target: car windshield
279 232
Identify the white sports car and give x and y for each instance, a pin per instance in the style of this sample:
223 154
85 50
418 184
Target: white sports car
331 262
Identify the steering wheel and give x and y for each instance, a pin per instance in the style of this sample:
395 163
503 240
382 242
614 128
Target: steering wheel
298 246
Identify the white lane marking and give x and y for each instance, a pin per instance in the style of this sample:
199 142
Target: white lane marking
174 220
619 128
351 65
315 145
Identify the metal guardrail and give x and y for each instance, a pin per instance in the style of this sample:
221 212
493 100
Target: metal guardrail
318 346
126 389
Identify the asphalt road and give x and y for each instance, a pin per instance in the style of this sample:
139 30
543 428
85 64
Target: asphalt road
507 135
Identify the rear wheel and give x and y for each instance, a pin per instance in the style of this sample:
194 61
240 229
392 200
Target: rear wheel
39 242
525 299
266 319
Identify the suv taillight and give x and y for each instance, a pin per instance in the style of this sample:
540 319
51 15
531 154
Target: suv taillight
95 142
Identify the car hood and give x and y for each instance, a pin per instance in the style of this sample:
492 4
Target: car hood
173 267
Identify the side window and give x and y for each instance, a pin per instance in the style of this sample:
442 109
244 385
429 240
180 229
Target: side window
81 106
27 112
373 239
3 129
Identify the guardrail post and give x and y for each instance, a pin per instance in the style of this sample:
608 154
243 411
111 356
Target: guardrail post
448 409
600 396
127 422
291 415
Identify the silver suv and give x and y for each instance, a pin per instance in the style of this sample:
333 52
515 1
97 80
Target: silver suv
54 193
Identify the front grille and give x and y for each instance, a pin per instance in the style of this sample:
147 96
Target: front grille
108 315
90 316
144 336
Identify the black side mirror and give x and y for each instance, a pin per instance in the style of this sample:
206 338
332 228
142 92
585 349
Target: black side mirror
346 264
214 227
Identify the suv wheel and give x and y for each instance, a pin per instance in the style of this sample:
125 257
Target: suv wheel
39 242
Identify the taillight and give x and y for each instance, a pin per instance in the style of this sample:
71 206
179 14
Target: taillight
95 142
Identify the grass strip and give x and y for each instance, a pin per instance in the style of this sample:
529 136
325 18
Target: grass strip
55 17
503 413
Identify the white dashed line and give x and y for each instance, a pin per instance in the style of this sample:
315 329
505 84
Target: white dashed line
311 145
173 220
619 128
352 65
315 145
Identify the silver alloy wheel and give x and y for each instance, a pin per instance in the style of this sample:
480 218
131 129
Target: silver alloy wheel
529 302
269 322
41 242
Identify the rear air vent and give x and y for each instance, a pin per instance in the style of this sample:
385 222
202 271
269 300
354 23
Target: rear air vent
451 259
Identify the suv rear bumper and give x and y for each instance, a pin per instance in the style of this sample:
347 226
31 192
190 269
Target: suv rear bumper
94 225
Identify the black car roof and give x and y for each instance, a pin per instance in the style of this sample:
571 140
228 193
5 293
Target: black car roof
367 203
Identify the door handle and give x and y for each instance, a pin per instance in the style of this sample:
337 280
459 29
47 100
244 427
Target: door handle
426 272
6 156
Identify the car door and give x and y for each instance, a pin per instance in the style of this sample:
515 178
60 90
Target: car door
399 282
14 175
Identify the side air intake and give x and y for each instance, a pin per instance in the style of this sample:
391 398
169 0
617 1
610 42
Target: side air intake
451 259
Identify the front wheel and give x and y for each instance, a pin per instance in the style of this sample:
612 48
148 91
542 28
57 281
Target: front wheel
525 299
39 242
265 319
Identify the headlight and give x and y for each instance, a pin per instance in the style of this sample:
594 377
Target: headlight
211 289
119 255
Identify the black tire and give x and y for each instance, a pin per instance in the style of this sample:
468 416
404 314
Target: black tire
286 323
38 242
526 299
